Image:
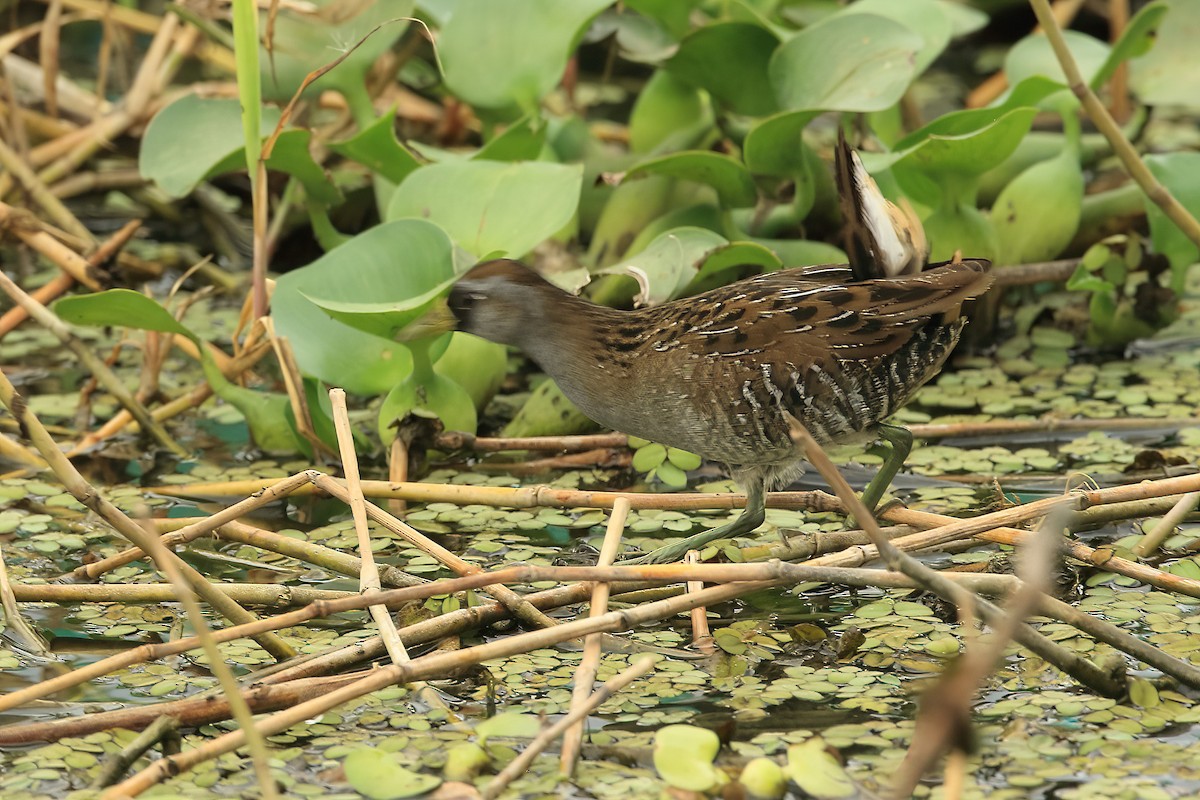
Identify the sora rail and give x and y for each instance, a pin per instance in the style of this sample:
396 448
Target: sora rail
720 374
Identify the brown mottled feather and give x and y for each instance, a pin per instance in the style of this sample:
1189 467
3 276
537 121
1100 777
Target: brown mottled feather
714 374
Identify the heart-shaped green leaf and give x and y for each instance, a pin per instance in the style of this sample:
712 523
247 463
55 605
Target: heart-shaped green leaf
729 60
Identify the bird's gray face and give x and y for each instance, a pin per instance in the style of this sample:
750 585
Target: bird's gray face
495 308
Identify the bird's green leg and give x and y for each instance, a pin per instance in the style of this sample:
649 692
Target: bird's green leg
898 445
748 520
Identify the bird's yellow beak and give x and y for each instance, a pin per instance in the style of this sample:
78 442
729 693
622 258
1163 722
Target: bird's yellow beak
436 319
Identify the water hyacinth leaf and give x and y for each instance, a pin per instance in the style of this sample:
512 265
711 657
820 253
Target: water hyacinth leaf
430 395
365 269
964 20
291 154
267 415
774 145
735 255
121 308
491 206
1180 173
521 141
1139 36
669 263
1033 56
667 115
475 364
548 412
1036 215
303 43
925 17
378 775
959 227
810 70
1170 73
812 768
733 182
497 55
729 61
683 756
377 148
193 138
801 252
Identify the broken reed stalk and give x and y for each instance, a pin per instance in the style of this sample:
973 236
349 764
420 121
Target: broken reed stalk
87 494
1154 538
1082 670
589 663
230 689
200 711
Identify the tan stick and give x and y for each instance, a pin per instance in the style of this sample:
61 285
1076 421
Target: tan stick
216 662
702 638
1167 525
589 664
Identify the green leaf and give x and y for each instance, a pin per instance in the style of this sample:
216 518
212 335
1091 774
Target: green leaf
928 18
521 141
812 70
649 457
1180 173
1170 73
509 724
729 60
195 138
548 412
683 459
291 154
719 266
683 756
959 227
1033 56
377 148
365 269
511 53
435 396
774 145
669 263
120 308
302 44
475 364
667 115
1036 215
815 771
489 206
1139 36
377 775
267 414
735 187
671 475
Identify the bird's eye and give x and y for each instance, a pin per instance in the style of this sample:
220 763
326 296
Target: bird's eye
462 300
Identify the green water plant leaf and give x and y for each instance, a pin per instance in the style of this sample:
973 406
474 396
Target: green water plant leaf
497 55
1036 215
733 182
268 415
377 148
378 775
812 768
811 71
491 206
729 60
683 756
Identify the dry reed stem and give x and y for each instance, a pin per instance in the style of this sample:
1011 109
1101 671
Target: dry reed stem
702 638
232 693
85 493
589 663
107 378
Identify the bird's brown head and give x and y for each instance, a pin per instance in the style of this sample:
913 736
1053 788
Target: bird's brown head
499 300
